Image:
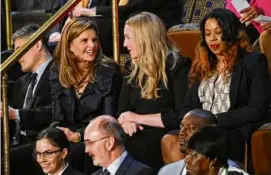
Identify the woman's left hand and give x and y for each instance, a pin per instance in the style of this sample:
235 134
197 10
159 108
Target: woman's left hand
128 117
249 14
71 136
266 26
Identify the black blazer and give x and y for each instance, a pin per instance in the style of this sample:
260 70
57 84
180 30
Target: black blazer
98 98
250 94
70 171
170 100
130 166
169 11
39 115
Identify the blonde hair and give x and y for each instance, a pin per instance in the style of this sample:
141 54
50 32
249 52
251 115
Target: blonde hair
154 46
69 73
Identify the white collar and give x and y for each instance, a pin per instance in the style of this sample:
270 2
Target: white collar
41 69
114 166
224 171
184 170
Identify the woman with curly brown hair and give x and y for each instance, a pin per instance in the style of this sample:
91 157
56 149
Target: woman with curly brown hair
229 80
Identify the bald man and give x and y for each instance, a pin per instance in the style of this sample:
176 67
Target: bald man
104 141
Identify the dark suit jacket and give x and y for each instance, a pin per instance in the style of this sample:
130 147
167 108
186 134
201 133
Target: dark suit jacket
169 11
39 115
130 166
250 94
70 171
100 97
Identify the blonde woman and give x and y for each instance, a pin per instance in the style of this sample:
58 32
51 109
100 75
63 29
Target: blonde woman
155 84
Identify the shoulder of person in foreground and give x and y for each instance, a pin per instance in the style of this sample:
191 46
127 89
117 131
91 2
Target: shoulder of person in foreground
172 168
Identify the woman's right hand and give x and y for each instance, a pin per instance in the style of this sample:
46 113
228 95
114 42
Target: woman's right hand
131 128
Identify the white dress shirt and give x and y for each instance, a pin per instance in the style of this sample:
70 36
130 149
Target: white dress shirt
113 167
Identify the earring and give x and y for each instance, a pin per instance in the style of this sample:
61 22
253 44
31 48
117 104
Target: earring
211 167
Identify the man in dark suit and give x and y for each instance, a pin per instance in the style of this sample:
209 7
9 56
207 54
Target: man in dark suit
30 110
104 143
32 99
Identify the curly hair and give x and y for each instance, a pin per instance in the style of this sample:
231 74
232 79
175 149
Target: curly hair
233 34
154 46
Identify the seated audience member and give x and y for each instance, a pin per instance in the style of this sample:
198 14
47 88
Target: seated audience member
31 106
30 111
192 121
256 30
84 83
229 80
89 82
51 151
207 153
104 142
156 82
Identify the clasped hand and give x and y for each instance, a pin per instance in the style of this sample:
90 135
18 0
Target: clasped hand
129 122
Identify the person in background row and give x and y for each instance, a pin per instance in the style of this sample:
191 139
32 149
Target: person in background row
155 83
105 143
260 31
51 152
101 11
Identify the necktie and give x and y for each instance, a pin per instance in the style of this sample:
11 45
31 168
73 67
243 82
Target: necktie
29 97
105 172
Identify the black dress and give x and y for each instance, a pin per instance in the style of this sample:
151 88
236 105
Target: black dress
98 98
144 146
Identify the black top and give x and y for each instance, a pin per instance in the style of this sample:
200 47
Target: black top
250 94
98 98
170 99
37 115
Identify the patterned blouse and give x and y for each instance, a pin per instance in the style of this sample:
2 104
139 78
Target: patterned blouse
214 93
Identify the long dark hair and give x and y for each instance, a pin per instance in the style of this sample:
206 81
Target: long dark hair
233 34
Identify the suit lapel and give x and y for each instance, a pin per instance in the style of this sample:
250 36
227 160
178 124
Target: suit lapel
124 165
23 89
43 80
235 80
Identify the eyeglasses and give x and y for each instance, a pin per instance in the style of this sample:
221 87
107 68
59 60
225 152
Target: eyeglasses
46 154
88 142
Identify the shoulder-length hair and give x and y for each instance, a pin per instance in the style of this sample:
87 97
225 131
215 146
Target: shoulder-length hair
233 34
69 73
154 46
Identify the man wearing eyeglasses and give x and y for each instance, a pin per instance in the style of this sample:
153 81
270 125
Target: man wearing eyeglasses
104 141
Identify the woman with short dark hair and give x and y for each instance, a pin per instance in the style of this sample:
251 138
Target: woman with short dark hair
207 153
51 151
